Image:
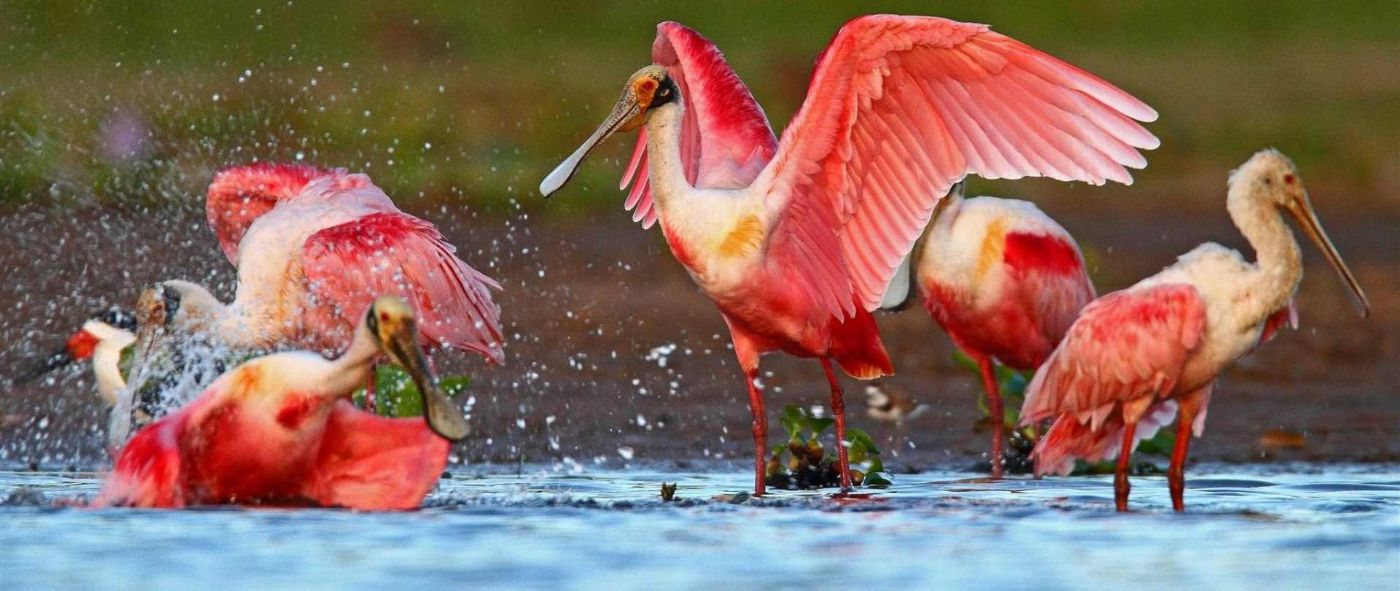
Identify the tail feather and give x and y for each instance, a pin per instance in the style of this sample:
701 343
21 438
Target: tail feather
856 346
1071 439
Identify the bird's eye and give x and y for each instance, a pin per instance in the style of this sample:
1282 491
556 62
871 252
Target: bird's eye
1288 178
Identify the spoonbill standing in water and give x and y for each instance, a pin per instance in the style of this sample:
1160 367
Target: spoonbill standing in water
796 240
1136 357
1005 281
280 430
313 247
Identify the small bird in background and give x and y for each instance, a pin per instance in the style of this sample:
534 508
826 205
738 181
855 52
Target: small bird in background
888 403
1003 280
1140 356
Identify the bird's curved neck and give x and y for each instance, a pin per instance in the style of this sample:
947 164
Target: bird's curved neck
665 167
1278 259
350 370
106 365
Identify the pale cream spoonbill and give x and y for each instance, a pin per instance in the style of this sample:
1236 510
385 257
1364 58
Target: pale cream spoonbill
1137 357
280 430
1005 281
796 240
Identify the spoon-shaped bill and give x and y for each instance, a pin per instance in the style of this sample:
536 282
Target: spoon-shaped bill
443 416
623 112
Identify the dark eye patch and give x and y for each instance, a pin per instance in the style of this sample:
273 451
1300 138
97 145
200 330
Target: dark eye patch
117 317
171 300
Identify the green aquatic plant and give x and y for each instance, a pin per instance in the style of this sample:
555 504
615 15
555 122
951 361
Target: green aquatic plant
808 464
395 394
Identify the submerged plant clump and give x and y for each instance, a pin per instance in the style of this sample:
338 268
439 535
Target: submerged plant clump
808 464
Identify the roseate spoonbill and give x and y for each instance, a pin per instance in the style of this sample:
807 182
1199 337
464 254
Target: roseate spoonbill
313 247
279 429
101 339
796 240
1005 281
1138 356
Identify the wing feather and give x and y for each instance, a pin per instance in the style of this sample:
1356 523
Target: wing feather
898 110
349 265
725 136
1125 345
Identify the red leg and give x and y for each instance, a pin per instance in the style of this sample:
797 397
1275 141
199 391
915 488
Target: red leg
1190 405
838 409
1120 476
760 433
1176 474
989 383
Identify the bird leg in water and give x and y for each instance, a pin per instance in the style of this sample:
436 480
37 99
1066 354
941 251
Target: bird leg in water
994 410
1188 405
838 408
1120 476
760 431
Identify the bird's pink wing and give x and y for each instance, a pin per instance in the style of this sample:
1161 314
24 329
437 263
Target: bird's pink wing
725 137
391 253
1050 273
239 195
898 110
1124 346
369 462
1287 316
148 470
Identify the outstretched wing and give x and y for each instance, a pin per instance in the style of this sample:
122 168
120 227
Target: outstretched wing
725 137
238 196
369 462
898 110
349 265
1124 346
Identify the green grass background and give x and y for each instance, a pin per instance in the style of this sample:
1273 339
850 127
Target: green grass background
471 103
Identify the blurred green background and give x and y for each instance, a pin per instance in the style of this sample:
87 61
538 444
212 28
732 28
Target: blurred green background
450 102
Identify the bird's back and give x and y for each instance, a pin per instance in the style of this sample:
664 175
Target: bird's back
1003 277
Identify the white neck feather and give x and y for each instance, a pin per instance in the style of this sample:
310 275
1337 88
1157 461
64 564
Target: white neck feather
667 171
1278 262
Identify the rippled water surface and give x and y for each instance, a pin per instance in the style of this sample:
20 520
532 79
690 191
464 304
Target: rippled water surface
1300 527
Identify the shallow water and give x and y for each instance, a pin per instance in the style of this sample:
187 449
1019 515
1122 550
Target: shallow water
1294 527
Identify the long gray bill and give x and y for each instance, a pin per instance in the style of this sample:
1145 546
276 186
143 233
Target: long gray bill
625 108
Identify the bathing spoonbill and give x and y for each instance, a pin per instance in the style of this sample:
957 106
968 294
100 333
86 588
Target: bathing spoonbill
795 240
1137 357
280 430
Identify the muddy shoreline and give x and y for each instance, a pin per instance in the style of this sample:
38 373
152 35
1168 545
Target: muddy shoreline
614 356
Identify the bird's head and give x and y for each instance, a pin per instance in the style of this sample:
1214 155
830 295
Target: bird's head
391 322
111 325
1270 178
646 91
